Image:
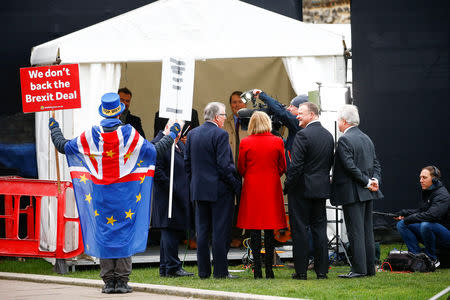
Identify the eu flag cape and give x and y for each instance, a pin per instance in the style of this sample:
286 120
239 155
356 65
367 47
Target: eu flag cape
112 175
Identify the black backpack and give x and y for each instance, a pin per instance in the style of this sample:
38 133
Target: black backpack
405 261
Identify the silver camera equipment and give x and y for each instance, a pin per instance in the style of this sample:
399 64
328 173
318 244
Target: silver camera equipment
248 96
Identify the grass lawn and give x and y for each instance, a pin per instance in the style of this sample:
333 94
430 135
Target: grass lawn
384 285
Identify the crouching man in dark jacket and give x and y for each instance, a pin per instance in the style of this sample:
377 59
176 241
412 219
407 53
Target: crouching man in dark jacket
430 224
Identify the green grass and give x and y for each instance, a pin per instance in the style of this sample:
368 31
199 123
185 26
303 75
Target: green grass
384 285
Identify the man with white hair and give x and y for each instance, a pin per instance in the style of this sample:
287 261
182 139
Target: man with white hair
355 184
213 182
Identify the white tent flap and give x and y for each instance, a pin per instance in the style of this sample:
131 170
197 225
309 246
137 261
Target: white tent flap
306 72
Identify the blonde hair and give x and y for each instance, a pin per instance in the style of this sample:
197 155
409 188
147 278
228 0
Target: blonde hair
259 123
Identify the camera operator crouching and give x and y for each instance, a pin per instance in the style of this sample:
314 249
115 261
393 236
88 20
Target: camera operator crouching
287 116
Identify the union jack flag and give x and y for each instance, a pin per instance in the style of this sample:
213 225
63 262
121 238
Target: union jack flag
112 175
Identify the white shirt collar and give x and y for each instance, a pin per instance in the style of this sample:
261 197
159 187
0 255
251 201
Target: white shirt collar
315 121
348 128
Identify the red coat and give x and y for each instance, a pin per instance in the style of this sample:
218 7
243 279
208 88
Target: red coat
261 162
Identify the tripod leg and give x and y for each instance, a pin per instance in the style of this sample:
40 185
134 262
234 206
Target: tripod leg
338 239
331 241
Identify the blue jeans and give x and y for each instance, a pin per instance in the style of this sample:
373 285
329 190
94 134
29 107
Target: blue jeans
427 233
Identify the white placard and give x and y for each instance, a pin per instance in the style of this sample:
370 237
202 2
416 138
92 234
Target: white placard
177 88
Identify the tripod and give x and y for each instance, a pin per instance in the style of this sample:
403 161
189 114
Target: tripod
337 238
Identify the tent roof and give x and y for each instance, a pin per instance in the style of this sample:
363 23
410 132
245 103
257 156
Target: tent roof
202 29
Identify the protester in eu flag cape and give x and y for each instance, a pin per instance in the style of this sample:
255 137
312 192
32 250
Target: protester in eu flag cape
112 169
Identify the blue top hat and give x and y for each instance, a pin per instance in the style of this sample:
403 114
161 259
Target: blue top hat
111 106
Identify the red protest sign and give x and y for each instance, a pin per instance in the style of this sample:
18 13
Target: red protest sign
50 88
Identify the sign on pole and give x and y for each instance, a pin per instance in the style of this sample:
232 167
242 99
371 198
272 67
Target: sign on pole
177 88
50 88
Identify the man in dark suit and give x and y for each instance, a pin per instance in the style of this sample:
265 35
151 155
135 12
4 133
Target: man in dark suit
308 186
173 228
355 184
213 182
126 117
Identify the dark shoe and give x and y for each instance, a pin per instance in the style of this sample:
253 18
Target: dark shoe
109 287
299 276
122 287
180 273
351 275
322 276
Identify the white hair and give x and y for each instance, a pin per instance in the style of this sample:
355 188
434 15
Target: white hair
349 113
212 109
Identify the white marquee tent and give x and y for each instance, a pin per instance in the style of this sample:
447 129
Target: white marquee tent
236 46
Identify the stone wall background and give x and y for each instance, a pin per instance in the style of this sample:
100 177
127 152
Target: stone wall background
326 11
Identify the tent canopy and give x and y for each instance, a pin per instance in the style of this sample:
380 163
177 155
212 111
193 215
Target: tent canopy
236 46
201 29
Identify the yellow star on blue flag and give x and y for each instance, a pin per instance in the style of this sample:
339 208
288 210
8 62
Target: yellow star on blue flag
129 214
111 220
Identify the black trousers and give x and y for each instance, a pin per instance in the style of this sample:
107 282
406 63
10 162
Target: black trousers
312 213
213 219
169 262
359 223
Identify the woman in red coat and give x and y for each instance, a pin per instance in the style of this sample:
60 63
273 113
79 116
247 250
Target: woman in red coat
261 162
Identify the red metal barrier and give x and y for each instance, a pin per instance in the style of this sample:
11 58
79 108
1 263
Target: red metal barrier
15 188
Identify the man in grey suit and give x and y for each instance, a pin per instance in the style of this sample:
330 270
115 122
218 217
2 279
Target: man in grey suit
355 184
308 186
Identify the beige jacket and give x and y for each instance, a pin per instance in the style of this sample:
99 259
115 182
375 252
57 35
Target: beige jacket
231 129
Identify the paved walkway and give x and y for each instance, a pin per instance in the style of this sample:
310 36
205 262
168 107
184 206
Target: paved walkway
31 286
26 290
